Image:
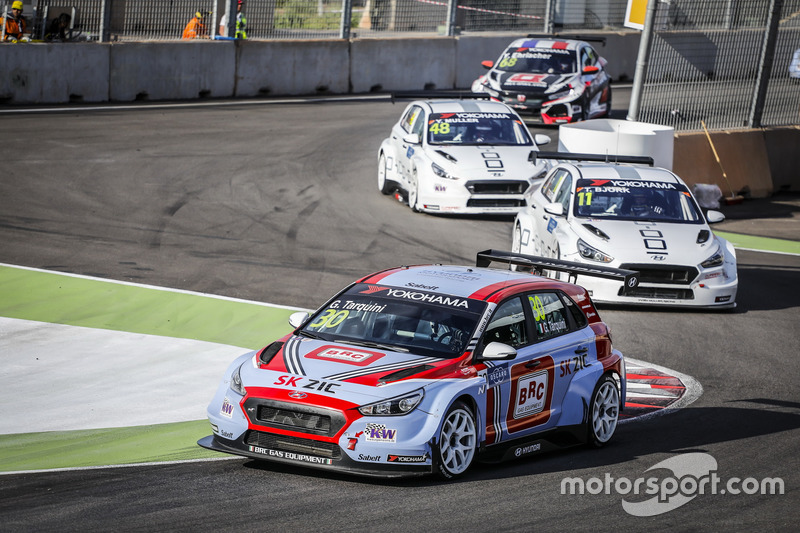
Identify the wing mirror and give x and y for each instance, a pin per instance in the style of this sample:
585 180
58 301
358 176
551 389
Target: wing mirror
591 69
554 209
541 139
412 138
296 319
498 350
714 216
487 64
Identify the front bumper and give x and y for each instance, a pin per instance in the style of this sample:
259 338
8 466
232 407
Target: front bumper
695 294
303 452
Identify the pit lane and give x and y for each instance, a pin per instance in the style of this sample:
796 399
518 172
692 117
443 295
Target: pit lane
278 205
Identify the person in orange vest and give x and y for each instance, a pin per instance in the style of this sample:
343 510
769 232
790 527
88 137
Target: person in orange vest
15 23
195 28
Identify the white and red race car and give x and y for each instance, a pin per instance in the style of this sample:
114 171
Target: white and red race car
559 80
422 369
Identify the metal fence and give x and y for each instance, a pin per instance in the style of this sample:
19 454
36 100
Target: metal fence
723 63
139 20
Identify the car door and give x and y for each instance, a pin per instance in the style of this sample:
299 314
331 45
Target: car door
412 121
525 394
556 190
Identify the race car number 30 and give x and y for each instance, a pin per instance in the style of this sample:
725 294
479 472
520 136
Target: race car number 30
531 394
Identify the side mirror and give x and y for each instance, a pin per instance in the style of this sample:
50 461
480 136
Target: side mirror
554 209
296 319
412 138
541 139
498 350
714 216
487 64
591 69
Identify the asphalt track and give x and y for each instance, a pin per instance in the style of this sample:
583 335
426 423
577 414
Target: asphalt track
276 202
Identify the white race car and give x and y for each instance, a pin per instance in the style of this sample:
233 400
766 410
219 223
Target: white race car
631 217
465 157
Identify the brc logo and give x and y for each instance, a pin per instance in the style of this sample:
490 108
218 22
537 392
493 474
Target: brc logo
343 355
531 394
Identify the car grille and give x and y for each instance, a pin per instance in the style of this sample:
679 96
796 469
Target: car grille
497 187
495 202
294 417
286 443
657 292
679 275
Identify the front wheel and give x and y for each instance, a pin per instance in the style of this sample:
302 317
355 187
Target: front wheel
384 185
603 411
413 187
458 440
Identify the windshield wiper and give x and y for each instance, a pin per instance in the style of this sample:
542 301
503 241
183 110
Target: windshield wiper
369 344
310 335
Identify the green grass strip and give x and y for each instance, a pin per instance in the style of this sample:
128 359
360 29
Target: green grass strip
766 244
75 301
109 446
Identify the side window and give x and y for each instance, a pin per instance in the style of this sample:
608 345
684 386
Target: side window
549 315
563 194
552 183
419 124
578 317
410 117
507 325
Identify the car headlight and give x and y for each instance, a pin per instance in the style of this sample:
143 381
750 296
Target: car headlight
560 94
714 261
393 406
439 171
236 381
592 254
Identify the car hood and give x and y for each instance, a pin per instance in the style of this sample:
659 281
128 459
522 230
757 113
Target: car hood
486 161
529 83
310 369
648 242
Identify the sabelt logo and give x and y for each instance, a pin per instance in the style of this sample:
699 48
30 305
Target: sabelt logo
403 294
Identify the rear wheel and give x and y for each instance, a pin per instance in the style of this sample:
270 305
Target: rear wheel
384 185
458 440
603 411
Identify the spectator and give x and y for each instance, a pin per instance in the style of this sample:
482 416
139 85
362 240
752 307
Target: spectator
195 29
241 23
57 30
15 23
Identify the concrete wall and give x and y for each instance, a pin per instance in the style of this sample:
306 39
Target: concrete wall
53 73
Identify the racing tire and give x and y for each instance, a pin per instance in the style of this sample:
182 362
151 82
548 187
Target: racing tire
604 410
516 241
458 441
608 102
384 185
413 188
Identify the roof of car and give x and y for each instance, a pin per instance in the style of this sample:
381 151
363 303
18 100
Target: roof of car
467 105
462 281
556 44
614 171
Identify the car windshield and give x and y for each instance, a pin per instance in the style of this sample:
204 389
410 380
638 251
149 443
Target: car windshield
635 200
538 61
401 319
474 128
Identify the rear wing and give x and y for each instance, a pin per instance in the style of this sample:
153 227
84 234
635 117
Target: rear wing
597 158
429 95
630 278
